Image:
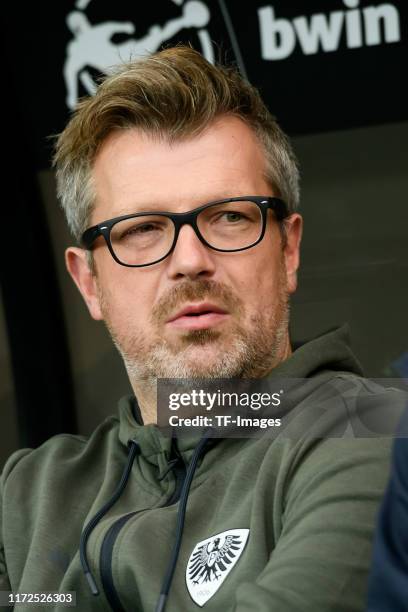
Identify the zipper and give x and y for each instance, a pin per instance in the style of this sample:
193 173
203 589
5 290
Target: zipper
114 530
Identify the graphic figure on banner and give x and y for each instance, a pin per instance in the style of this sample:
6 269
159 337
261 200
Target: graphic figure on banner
92 45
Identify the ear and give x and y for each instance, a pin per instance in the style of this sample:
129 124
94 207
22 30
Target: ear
78 267
291 251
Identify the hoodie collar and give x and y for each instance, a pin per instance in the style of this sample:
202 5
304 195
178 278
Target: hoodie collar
153 443
329 351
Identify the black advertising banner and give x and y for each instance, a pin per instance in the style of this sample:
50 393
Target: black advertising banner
319 65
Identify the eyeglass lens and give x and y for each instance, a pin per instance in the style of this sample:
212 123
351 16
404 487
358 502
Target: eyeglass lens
148 238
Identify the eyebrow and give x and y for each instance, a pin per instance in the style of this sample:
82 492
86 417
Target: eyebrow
154 207
129 210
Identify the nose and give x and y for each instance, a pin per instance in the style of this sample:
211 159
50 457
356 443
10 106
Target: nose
190 258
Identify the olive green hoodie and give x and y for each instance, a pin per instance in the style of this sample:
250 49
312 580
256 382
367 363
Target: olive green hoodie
282 524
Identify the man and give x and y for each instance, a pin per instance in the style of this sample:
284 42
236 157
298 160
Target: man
182 191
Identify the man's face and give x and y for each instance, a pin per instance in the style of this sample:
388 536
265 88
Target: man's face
134 173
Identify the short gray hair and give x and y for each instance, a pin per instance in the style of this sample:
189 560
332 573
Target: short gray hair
172 94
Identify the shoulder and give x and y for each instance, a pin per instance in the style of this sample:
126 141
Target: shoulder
358 407
63 453
344 430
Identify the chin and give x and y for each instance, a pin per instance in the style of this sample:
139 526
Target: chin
199 337
206 359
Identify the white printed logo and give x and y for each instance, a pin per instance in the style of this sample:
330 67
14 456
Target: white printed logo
211 561
92 47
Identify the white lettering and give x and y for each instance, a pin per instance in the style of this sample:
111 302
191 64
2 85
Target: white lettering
277 36
197 421
222 420
390 17
354 31
321 31
185 399
276 400
173 401
211 400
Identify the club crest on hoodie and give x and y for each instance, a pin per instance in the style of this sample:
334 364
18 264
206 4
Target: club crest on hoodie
211 561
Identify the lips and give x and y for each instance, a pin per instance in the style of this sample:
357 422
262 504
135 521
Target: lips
198 316
195 310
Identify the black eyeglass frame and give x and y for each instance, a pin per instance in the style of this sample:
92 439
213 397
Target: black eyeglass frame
104 228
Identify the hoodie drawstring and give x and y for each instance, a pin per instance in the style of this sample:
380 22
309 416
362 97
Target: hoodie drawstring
134 449
161 604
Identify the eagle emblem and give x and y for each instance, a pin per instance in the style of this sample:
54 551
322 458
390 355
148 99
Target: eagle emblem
211 561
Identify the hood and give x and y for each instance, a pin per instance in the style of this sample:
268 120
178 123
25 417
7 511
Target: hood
330 351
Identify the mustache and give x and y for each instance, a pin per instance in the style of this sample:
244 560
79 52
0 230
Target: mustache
202 289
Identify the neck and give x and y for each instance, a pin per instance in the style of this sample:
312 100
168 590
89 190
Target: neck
146 392
286 350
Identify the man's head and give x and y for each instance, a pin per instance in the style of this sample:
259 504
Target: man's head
171 133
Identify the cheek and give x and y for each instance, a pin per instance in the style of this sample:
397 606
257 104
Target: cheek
261 276
126 299
255 286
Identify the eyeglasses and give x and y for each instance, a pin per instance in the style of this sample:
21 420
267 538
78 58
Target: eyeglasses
145 238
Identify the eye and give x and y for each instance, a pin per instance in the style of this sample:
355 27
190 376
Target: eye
233 215
229 216
142 228
138 229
